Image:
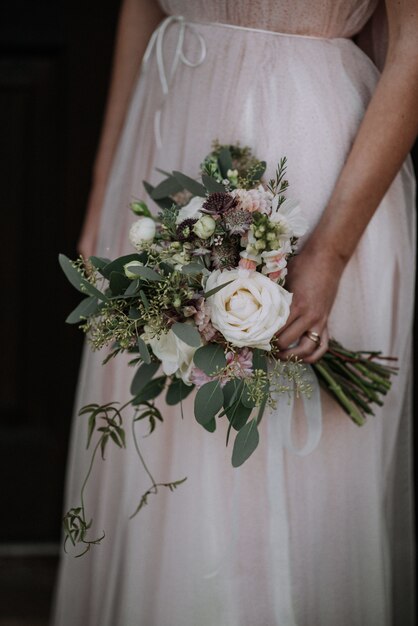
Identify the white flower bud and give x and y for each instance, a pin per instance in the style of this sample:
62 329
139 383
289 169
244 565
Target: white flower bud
127 268
142 230
205 227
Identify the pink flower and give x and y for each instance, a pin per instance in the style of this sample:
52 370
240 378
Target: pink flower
247 264
199 378
241 362
254 199
202 320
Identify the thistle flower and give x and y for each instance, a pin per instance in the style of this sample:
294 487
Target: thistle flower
184 231
218 203
237 221
226 255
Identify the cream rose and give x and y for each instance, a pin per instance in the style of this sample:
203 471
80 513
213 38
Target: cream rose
175 355
250 310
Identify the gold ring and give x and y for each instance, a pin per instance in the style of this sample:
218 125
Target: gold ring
313 336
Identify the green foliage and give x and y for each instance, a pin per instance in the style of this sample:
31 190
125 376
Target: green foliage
210 358
245 443
150 391
87 307
208 402
142 376
187 333
177 391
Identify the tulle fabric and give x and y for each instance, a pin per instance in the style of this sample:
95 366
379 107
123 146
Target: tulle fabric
314 541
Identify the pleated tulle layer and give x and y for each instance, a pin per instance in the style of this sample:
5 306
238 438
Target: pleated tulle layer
314 541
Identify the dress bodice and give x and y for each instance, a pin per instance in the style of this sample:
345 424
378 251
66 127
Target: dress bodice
323 18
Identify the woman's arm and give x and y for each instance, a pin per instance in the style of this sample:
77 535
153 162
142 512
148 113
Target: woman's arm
383 141
137 20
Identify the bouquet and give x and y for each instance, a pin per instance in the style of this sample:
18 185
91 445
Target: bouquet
198 305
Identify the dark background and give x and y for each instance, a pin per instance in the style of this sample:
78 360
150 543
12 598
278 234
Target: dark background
54 69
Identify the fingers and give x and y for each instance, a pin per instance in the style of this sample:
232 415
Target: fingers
305 348
320 350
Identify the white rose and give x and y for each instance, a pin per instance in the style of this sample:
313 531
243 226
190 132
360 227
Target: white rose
175 355
191 210
205 227
142 230
250 310
290 217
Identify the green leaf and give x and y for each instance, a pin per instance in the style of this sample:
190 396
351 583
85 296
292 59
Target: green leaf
210 426
167 187
259 171
163 203
150 391
210 358
77 280
208 402
212 292
187 333
144 373
212 184
225 161
143 351
132 287
118 283
238 415
192 268
99 262
178 391
144 299
117 264
245 443
259 360
190 184
146 272
134 314
72 274
87 307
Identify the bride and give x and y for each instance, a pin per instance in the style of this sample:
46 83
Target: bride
285 540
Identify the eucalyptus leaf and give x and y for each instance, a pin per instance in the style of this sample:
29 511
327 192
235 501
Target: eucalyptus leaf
163 203
208 402
77 280
99 262
150 391
187 333
167 187
190 184
259 171
212 292
87 307
117 264
143 351
259 360
192 268
210 426
144 299
146 272
178 391
210 358
238 415
225 161
132 287
118 283
143 374
212 185
245 443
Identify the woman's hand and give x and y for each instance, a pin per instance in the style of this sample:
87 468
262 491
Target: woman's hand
313 279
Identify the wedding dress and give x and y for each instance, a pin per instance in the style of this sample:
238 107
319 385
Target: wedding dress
320 540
